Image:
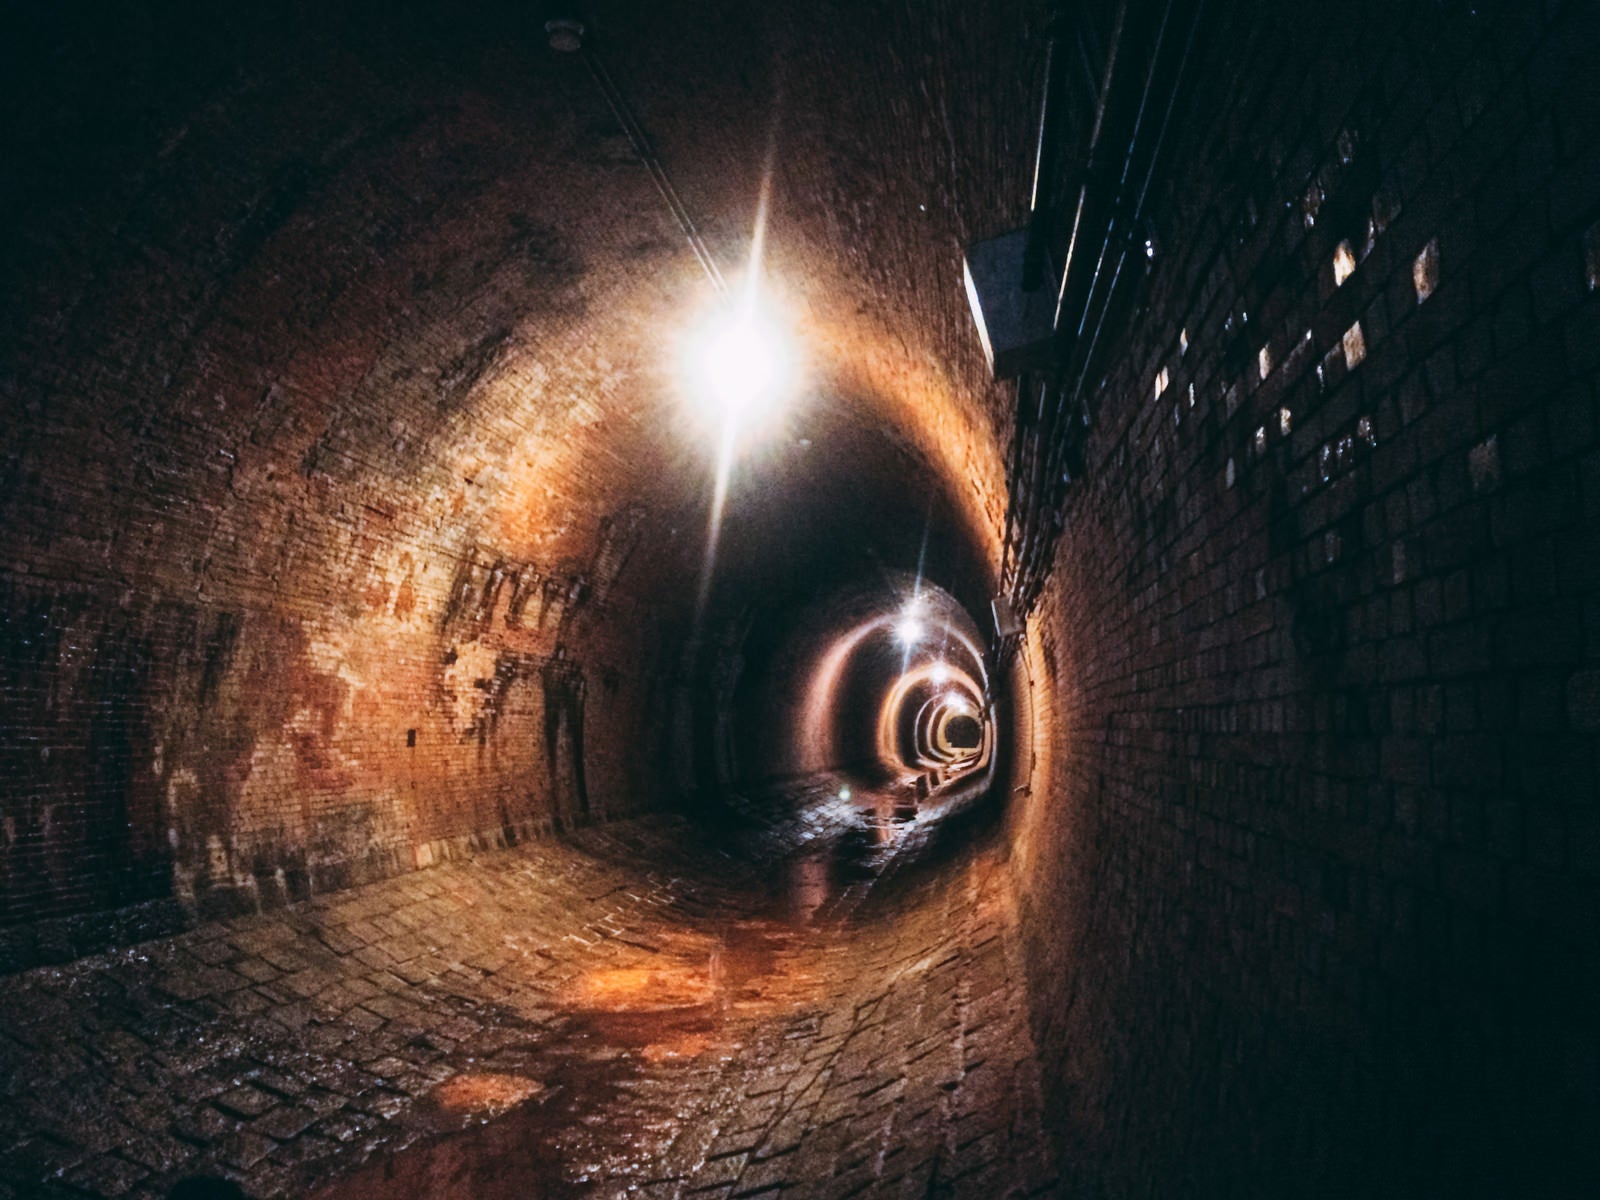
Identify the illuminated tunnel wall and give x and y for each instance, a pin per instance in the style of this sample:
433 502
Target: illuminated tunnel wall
851 673
351 517
354 511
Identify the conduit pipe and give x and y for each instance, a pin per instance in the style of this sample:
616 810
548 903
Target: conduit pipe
1044 158
1122 181
568 35
1074 354
1138 209
1088 193
1053 436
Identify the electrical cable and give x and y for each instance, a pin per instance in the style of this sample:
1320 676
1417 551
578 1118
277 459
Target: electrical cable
642 147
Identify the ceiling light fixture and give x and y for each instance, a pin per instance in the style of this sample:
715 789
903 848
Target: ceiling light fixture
741 367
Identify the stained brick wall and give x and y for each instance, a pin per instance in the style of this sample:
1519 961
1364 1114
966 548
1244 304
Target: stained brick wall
315 567
339 484
344 466
240 752
1311 883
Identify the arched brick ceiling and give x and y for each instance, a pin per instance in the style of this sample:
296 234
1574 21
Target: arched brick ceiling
403 269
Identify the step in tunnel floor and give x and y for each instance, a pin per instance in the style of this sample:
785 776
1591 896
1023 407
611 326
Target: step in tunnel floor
808 1008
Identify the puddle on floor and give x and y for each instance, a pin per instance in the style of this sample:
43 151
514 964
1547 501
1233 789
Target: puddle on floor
854 855
636 1049
553 1119
810 886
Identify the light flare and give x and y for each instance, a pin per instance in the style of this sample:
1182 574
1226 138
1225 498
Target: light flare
739 369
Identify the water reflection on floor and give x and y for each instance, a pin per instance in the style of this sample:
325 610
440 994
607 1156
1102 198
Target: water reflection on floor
810 885
700 1051
551 1118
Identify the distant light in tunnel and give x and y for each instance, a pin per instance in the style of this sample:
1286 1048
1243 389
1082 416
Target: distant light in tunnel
940 674
844 793
909 630
741 367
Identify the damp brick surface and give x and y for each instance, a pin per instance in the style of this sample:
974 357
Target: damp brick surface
661 1029
1309 869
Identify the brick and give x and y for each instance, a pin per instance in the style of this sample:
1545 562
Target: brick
350 530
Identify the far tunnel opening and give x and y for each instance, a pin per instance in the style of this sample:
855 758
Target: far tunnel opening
693 598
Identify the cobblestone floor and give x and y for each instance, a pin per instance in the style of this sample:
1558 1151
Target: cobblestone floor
800 1012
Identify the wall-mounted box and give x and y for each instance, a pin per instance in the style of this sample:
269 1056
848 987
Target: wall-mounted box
1016 327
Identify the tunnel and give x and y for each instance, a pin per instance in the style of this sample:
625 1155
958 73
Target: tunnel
908 598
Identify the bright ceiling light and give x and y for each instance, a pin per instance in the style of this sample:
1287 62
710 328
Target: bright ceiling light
909 631
741 367
940 673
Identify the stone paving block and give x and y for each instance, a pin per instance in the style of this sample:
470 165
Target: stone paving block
202 1126
244 1101
278 1082
339 939
292 1016
374 956
106 1175
380 1102
346 1126
157 1152
307 1149
243 1149
284 1122
336 1051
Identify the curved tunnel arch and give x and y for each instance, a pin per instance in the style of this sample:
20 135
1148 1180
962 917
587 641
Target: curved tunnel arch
424 399
949 728
353 521
916 703
824 681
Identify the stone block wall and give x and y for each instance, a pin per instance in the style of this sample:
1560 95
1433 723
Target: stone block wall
1311 881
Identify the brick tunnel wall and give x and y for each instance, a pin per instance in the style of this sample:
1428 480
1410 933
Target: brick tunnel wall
322 552
344 468
278 736
239 753
1310 882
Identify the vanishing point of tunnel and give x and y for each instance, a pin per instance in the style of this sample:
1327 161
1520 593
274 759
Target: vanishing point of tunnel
699 600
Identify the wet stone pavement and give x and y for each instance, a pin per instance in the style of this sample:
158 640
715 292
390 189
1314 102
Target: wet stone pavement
818 1008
